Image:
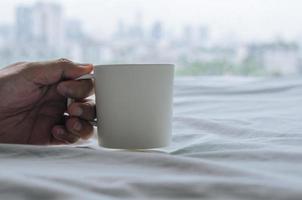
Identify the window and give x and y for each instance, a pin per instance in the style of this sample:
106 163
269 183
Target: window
202 37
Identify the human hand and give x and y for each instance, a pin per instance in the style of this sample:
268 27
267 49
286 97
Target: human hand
33 99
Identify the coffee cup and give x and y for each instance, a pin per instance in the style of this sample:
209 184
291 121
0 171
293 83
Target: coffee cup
133 104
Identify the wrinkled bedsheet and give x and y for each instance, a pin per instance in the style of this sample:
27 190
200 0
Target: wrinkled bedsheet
233 138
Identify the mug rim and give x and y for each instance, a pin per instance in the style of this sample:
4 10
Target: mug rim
134 65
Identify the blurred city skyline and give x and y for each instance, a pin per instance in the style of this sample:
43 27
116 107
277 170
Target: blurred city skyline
43 30
248 20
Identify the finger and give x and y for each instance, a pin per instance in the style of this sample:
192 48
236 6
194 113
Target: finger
16 64
56 140
80 128
83 110
50 72
76 89
62 136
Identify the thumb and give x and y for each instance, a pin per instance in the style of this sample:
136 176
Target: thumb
50 72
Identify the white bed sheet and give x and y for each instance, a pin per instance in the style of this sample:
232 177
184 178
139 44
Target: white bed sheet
233 138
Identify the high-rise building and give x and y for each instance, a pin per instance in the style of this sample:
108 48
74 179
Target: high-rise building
74 30
6 33
41 24
49 25
157 31
136 31
203 35
24 24
187 34
120 30
279 57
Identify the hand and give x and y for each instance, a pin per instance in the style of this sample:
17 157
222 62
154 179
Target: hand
33 102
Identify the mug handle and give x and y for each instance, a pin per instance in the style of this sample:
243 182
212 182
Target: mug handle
70 101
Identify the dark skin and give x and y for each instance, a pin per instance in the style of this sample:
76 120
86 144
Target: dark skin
33 99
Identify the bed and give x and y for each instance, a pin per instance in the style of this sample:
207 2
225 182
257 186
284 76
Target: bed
233 138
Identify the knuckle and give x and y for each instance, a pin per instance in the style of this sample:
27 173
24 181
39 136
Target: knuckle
63 60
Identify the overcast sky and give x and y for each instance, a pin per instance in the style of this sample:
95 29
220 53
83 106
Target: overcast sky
247 19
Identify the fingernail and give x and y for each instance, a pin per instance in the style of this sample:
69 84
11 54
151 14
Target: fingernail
85 65
77 111
77 126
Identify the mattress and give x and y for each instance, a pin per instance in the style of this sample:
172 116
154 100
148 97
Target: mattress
233 138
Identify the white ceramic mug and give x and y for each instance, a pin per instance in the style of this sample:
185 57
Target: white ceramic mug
134 105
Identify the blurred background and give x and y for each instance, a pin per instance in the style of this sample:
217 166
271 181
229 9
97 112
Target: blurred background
202 37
